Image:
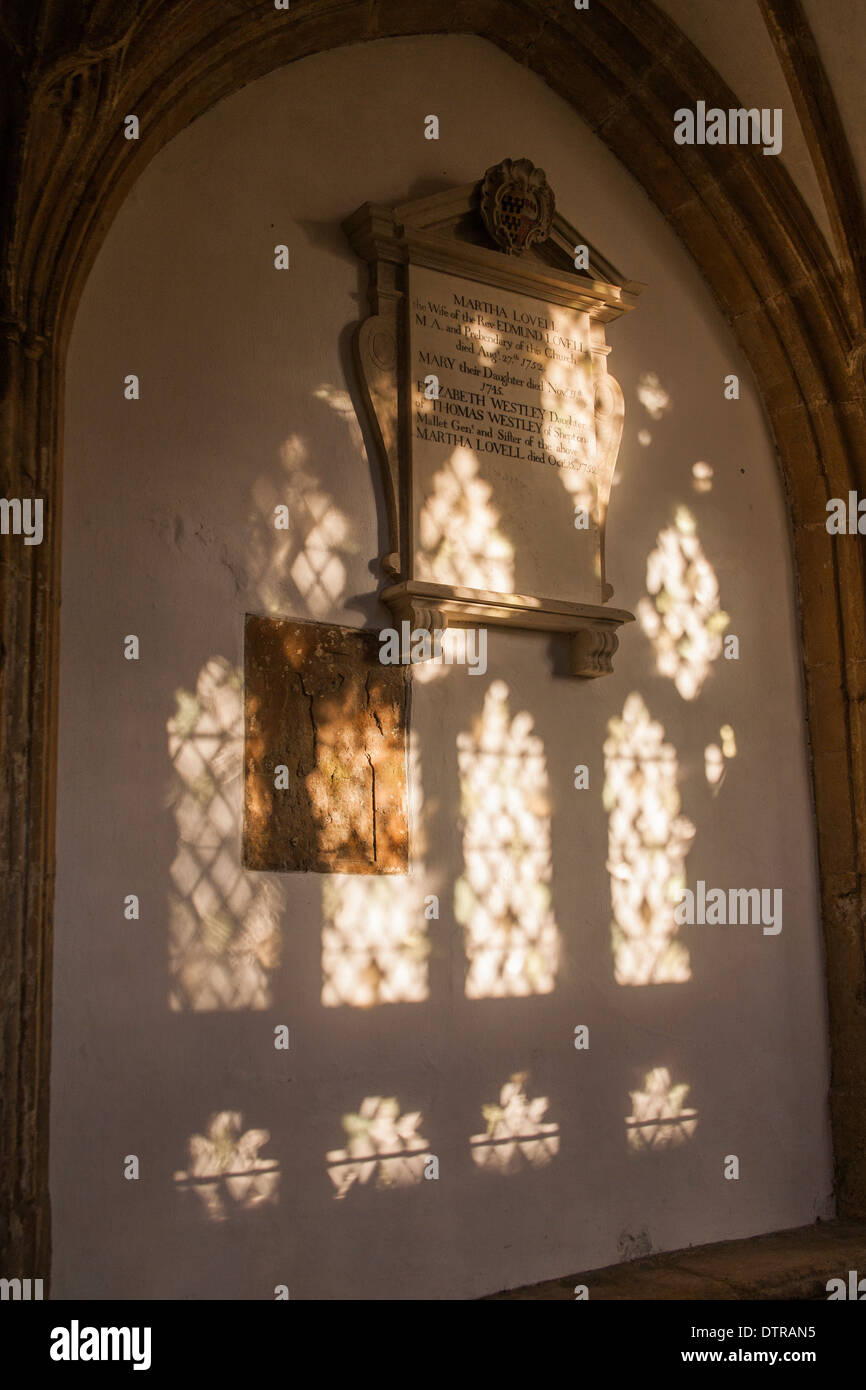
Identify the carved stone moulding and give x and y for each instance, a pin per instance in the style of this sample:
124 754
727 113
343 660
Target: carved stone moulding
484 375
592 629
517 204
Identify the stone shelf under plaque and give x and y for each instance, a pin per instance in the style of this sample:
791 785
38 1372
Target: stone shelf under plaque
592 628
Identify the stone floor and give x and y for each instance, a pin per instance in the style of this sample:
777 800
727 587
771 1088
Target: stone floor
786 1264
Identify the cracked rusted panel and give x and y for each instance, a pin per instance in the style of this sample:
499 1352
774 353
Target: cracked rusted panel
319 702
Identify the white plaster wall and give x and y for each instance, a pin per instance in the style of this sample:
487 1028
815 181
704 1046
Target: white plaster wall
167 535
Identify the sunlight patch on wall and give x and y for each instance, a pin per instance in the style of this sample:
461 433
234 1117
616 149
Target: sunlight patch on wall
648 840
503 898
459 537
375 943
559 380
682 618
382 1147
659 1119
517 1136
652 395
702 477
454 645
224 935
225 1170
716 758
375 946
340 402
301 568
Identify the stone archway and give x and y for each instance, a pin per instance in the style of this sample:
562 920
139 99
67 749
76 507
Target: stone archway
797 312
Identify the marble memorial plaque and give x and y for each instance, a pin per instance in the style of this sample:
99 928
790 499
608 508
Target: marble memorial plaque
483 368
503 441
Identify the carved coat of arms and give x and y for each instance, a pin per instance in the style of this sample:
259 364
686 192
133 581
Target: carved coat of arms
516 204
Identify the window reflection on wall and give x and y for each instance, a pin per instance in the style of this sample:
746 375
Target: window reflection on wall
682 617
716 758
299 568
517 1135
375 930
459 538
383 1147
375 946
225 1170
659 1118
224 934
503 898
648 840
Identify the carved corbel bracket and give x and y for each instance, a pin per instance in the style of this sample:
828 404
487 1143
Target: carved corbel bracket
593 648
418 609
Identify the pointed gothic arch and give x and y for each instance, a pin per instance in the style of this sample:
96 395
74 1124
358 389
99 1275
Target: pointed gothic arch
795 306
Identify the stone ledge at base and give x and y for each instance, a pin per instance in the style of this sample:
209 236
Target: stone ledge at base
592 628
792 1264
